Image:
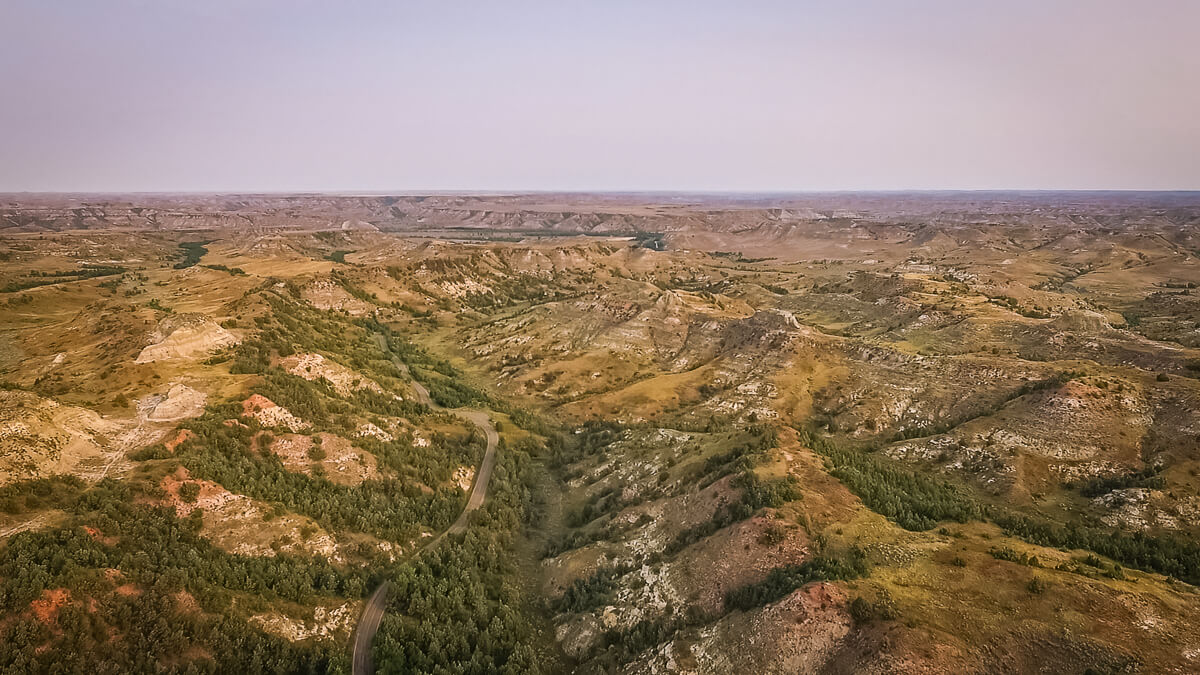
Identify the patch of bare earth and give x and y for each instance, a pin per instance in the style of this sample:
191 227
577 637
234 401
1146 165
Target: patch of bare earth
326 623
185 336
47 606
270 415
180 402
178 439
244 526
340 461
99 536
41 437
369 429
463 477
10 525
185 603
327 294
313 367
798 634
741 554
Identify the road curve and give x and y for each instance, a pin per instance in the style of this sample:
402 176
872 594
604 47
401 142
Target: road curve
368 625
372 614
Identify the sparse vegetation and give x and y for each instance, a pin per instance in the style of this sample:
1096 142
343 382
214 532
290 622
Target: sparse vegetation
919 502
37 278
784 580
735 428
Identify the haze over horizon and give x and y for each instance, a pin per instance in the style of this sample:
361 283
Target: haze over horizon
537 96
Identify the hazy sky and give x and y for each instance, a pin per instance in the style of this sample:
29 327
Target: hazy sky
606 95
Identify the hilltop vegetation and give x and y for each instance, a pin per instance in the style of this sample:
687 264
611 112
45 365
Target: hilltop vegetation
930 436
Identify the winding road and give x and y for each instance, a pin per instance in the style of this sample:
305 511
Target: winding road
372 614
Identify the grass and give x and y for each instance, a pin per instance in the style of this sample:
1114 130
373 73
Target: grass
948 587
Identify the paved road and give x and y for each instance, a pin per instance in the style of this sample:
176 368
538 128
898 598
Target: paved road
372 614
368 625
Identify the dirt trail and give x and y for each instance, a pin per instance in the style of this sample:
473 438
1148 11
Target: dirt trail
372 614
32 524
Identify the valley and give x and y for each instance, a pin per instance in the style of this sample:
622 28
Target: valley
605 433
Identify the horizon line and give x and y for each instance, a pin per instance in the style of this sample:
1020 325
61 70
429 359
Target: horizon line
615 192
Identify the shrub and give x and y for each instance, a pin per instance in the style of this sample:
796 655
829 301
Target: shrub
861 610
783 580
189 492
156 451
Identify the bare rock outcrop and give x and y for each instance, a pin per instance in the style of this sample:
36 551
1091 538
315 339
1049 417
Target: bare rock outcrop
185 336
327 294
41 437
181 402
313 367
269 414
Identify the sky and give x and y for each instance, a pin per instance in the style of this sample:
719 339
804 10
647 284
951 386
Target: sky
359 95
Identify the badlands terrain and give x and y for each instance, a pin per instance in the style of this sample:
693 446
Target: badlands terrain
828 433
